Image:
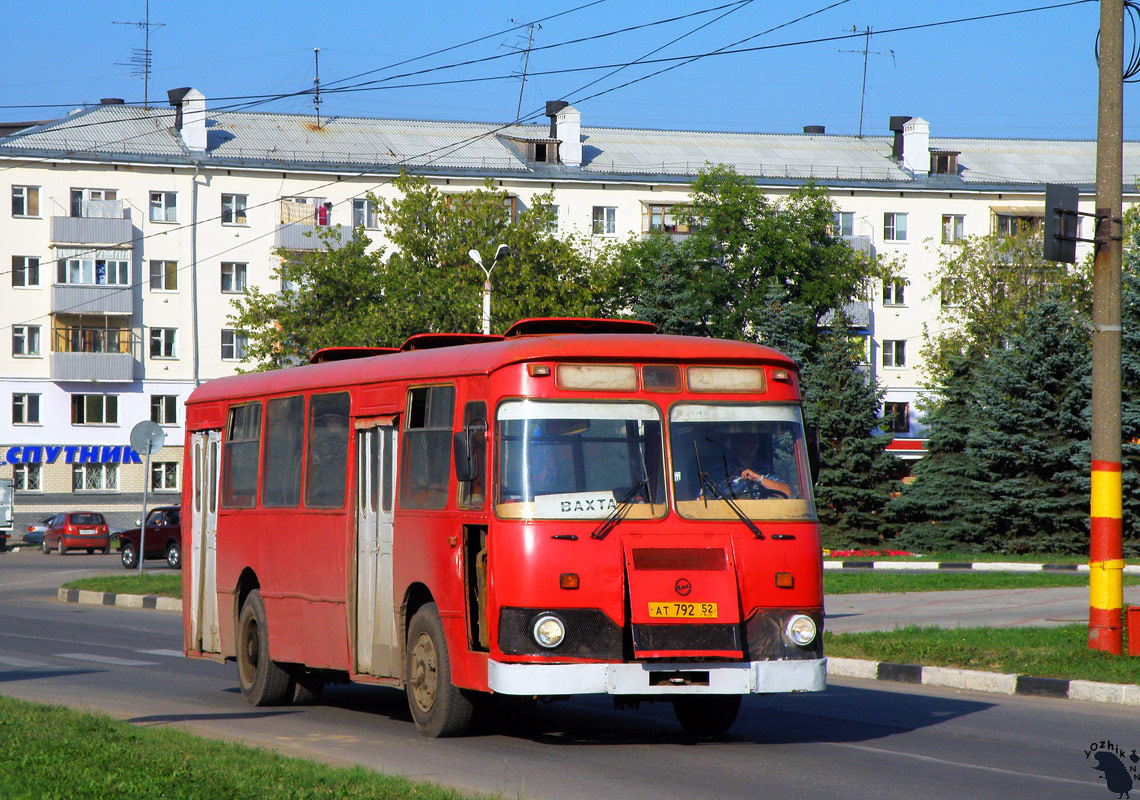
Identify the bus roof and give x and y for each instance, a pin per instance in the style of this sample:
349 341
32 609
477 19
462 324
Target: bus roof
484 358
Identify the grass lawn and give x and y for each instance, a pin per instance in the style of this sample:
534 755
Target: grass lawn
160 584
856 582
966 558
54 752
1060 652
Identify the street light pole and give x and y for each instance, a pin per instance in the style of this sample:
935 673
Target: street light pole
500 251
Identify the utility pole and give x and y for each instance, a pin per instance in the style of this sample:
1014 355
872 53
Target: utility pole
526 64
1106 554
866 51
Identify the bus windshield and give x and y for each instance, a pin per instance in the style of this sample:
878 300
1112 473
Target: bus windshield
751 455
579 460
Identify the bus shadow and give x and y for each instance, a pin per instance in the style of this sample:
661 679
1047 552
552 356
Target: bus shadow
841 714
43 672
165 719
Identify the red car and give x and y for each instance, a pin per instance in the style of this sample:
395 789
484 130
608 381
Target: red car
77 530
163 539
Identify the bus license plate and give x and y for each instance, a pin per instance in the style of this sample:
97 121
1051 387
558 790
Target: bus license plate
682 610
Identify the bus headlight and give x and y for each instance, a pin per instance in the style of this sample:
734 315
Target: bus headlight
549 631
801 629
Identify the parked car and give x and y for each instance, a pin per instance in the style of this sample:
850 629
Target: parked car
163 538
35 532
77 530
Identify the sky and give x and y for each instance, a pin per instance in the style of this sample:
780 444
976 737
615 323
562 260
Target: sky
1028 75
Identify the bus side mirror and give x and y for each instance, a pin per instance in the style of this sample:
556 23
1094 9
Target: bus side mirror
468 453
811 435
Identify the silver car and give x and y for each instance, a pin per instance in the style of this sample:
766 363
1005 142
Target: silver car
35 532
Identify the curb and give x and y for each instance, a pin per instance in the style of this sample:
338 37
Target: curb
84 597
978 681
975 566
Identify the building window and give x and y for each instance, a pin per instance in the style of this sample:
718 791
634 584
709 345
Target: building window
163 276
953 227
162 342
96 203
233 209
164 476
894 353
94 477
306 210
944 162
25 340
164 409
894 293
896 418
163 206
233 277
27 477
234 344
1013 224
511 209
894 227
662 218
843 223
25 409
552 219
25 271
25 201
951 292
94 271
605 220
364 213
94 409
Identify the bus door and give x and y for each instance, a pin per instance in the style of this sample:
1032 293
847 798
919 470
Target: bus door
203 542
377 650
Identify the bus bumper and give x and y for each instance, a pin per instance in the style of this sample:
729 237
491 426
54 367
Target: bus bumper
658 678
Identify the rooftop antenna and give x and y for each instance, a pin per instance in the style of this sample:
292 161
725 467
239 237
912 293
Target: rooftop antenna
317 84
526 63
866 51
140 58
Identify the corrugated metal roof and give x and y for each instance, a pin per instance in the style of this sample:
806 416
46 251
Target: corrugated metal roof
294 140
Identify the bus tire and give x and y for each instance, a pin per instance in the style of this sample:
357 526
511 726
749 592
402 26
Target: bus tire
438 707
707 715
263 682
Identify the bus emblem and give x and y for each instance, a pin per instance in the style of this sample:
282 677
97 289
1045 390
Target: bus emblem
683 587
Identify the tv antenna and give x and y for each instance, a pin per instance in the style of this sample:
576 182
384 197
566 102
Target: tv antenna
141 57
526 62
866 51
317 84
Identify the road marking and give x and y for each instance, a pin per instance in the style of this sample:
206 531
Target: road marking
168 653
120 662
21 663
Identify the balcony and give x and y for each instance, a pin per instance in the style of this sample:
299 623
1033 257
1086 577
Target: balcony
306 236
94 354
104 222
81 299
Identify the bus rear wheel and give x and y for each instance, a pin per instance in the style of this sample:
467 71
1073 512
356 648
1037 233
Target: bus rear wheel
438 707
263 682
707 715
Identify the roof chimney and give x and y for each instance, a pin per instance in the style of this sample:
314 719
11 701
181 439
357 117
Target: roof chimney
190 117
916 146
566 126
110 101
814 129
897 127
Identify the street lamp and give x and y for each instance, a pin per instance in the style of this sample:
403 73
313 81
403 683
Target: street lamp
501 251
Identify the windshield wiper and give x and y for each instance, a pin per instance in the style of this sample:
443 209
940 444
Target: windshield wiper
621 509
709 486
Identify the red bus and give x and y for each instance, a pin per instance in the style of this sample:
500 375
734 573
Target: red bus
577 506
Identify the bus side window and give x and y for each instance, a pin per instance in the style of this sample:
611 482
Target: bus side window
473 493
327 467
281 464
242 449
425 468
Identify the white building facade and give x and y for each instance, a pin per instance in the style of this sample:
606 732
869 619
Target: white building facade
131 230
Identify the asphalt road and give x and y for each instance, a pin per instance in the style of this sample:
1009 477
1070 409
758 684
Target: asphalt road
856 740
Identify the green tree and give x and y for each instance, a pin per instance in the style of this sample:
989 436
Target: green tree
352 295
856 474
987 285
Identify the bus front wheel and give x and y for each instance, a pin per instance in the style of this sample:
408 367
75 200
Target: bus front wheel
438 707
707 715
263 682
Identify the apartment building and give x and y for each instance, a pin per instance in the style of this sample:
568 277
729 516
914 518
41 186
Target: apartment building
131 230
